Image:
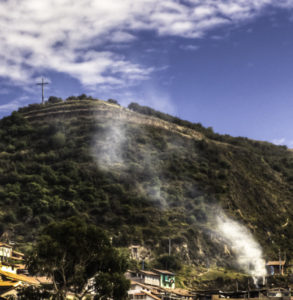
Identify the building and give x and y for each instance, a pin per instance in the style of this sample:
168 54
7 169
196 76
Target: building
257 294
7 267
279 293
144 277
141 291
276 267
146 296
167 278
156 277
5 251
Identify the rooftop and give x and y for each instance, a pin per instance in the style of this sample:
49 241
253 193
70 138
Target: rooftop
17 277
151 295
164 272
5 245
140 284
17 253
148 273
276 263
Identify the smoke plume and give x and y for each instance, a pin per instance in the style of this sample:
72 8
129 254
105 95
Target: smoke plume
108 147
248 252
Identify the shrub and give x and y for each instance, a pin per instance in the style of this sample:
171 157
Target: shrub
53 100
112 101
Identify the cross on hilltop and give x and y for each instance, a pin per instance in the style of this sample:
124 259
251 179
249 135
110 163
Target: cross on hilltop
42 84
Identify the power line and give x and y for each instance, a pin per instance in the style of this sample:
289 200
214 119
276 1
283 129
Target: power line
42 84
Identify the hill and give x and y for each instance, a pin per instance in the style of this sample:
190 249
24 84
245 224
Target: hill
147 178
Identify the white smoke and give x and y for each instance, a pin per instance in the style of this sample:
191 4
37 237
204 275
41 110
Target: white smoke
248 252
108 148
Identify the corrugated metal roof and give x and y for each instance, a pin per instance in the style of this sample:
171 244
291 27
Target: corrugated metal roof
8 283
179 292
17 277
132 282
5 245
17 253
148 273
276 263
151 295
164 272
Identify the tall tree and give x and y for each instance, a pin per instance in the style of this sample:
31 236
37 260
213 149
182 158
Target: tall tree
78 257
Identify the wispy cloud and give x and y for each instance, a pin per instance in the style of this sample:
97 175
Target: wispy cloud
280 141
71 36
12 105
283 141
189 47
157 98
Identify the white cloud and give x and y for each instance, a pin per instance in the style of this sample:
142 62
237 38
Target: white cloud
152 95
71 36
189 47
12 105
158 99
283 142
280 141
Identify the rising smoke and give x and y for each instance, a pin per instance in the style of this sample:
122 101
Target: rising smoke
107 147
109 150
246 249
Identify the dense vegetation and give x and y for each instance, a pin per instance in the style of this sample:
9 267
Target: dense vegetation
78 257
142 183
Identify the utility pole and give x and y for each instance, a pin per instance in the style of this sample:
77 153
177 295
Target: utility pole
280 262
42 84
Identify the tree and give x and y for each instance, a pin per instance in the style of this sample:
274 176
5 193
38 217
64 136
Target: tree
113 286
168 262
32 293
58 140
78 257
113 101
53 100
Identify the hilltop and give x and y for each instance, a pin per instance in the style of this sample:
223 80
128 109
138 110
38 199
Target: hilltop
144 176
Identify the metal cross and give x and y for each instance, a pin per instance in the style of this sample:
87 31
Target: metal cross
42 84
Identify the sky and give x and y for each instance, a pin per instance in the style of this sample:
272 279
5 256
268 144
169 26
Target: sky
227 64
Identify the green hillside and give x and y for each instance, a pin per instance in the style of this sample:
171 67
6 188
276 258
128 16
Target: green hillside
144 176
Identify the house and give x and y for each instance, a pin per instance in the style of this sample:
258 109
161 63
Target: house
285 294
134 251
167 278
141 291
138 290
138 252
7 267
156 277
276 267
145 296
145 277
5 251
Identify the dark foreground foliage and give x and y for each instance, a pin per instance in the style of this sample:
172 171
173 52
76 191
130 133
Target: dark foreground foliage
78 257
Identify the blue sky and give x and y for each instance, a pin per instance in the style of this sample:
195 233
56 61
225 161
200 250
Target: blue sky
227 64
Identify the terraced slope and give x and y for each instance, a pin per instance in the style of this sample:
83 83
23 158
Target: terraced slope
145 179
